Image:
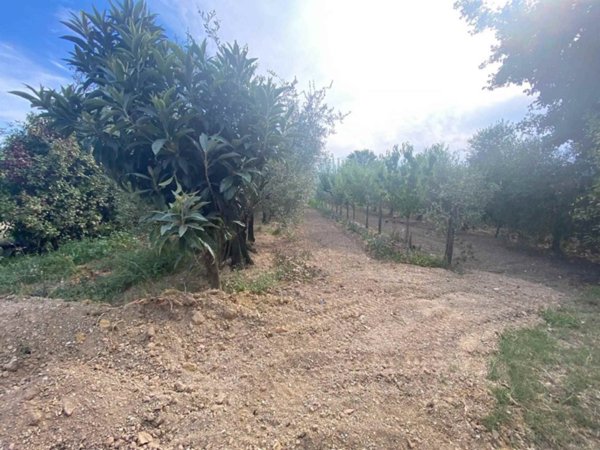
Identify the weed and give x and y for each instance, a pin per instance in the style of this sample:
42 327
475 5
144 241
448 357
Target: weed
260 283
548 377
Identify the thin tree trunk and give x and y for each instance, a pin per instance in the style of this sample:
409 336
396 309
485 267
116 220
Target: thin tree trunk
407 232
391 211
367 220
497 231
449 241
353 212
380 219
212 271
251 227
347 211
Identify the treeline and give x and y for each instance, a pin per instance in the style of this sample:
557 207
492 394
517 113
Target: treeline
508 180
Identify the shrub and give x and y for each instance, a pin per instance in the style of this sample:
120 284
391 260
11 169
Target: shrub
51 190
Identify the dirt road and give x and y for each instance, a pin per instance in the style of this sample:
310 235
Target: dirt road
368 355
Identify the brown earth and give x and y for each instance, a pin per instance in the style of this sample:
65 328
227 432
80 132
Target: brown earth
366 355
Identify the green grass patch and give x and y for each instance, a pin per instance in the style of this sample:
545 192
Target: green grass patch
548 378
97 269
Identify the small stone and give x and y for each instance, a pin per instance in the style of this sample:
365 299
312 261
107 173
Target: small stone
281 330
110 441
198 318
104 324
190 367
68 407
150 332
181 387
31 393
144 438
34 418
12 365
220 399
349 411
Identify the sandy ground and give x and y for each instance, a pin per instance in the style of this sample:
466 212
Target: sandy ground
367 355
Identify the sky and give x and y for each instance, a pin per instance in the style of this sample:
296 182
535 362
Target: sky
405 71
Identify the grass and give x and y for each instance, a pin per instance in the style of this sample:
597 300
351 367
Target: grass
97 269
291 266
548 377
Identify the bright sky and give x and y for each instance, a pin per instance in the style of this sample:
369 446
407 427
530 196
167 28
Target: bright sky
404 70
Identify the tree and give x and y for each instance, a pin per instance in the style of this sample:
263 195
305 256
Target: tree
536 183
171 119
51 191
456 195
362 157
552 48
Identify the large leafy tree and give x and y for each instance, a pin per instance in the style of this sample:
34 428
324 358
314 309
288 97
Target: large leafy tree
536 182
160 115
552 48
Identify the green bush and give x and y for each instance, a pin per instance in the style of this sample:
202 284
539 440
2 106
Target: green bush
51 191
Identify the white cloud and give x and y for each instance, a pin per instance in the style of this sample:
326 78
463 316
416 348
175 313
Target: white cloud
16 70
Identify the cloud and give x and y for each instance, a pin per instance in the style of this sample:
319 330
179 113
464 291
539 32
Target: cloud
16 70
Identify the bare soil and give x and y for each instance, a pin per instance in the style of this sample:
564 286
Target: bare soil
367 355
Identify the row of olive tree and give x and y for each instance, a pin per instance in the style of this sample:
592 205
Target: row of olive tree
434 182
199 134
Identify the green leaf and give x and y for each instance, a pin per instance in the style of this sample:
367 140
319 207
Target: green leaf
157 145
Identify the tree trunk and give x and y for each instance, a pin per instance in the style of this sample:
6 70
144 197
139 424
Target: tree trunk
265 217
407 232
250 227
391 211
240 257
449 241
212 271
353 212
347 211
367 220
497 231
380 218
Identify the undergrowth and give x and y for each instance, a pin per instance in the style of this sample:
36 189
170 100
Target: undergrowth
291 266
548 377
386 247
96 269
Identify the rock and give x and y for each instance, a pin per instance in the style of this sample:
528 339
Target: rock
68 407
31 393
281 330
190 367
104 324
12 365
348 411
181 387
34 417
150 332
198 318
220 399
144 438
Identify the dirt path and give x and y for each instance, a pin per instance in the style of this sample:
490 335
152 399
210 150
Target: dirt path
369 355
